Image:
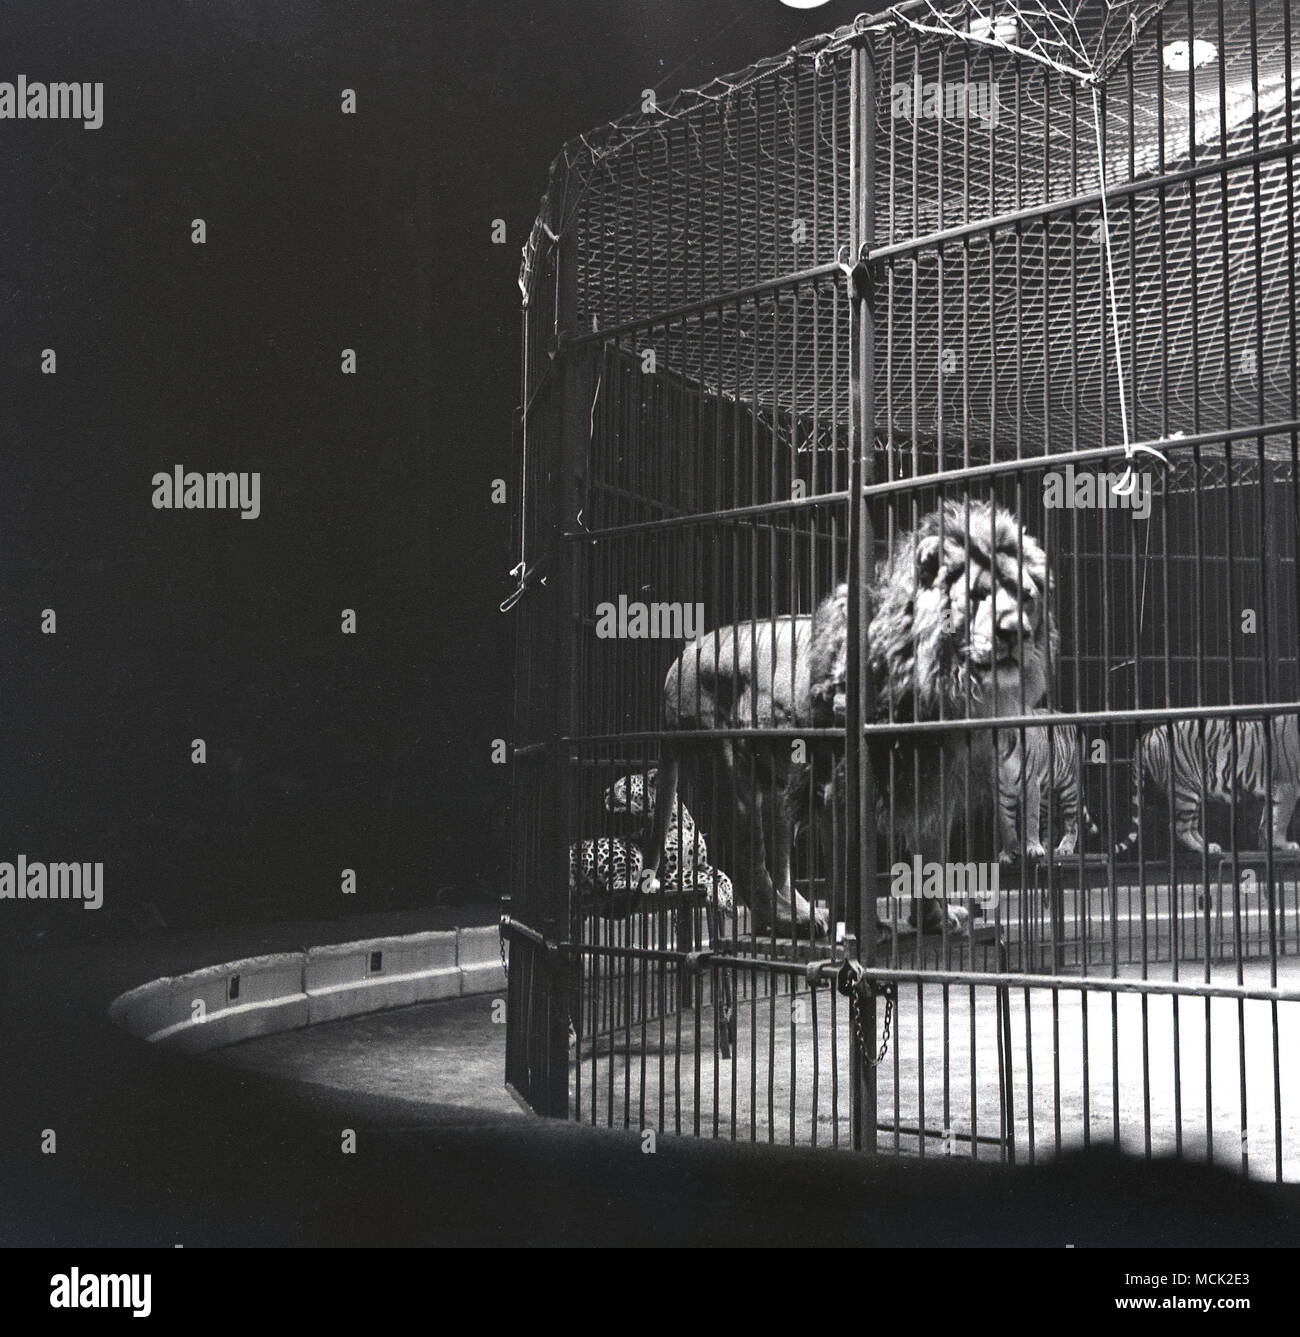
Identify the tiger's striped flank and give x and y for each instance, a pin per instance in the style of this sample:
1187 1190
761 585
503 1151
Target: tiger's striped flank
1203 758
1046 766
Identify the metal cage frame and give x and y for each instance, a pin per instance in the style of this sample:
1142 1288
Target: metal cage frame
766 327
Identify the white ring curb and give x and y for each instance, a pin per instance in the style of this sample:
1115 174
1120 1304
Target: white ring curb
261 995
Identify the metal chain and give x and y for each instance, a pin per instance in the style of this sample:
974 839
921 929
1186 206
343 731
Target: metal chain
856 1017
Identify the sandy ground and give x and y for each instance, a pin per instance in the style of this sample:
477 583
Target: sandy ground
451 1053
1081 1069
262 1166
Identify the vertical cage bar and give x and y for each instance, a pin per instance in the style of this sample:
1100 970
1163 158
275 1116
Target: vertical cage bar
860 787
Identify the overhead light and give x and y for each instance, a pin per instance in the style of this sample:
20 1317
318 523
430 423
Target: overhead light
804 4
1182 56
1004 28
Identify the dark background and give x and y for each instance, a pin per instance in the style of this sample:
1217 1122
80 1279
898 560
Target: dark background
324 231
324 751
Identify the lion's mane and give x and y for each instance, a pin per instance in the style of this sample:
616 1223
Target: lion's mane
932 655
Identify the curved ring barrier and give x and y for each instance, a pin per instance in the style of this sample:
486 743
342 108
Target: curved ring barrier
260 995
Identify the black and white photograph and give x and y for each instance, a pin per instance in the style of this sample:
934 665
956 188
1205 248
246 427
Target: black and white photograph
649 624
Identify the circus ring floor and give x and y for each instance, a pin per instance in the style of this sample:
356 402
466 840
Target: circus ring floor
157 1146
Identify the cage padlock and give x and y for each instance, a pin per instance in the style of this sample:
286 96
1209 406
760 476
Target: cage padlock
848 977
851 980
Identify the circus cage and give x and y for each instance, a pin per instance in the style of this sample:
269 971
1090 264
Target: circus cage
1040 254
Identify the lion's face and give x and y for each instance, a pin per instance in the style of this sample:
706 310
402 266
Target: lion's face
962 623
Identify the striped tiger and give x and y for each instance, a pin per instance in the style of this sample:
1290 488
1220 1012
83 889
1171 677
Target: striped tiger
1024 770
1208 762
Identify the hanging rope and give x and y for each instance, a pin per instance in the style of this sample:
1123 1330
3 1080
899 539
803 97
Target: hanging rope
520 568
1128 482
528 576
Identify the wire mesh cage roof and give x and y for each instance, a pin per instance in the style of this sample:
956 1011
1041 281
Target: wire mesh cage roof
1003 321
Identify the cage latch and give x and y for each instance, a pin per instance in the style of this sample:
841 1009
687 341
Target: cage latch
864 280
815 973
853 982
695 962
846 980
861 274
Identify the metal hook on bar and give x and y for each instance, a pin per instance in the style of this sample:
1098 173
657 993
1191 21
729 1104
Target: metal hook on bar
528 577
513 598
1128 480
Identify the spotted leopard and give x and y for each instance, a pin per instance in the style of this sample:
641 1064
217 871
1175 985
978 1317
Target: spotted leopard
686 853
607 866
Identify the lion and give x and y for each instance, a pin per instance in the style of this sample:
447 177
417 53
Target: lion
959 628
751 675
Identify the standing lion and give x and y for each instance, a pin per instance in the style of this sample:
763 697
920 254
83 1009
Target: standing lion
960 628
